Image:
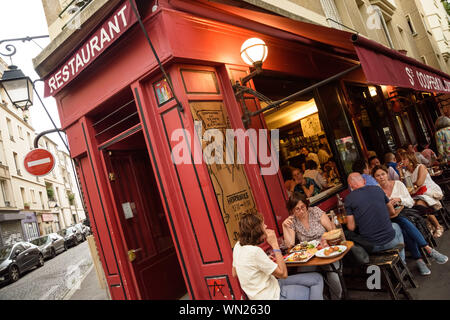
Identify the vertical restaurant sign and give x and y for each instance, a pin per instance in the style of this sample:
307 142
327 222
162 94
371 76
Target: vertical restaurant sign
116 25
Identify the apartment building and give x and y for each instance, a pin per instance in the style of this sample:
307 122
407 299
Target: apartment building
418 28
429 23
25 209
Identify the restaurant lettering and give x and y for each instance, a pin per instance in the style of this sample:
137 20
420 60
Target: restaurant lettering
426 81
102 38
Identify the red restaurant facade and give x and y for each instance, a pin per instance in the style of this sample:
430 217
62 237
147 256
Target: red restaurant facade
164 229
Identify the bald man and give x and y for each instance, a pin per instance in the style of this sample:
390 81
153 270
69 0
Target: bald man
368 208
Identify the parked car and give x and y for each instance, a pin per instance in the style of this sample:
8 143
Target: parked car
50 245
72 236
18 258
85 230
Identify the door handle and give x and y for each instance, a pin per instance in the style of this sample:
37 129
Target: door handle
26 253
132 254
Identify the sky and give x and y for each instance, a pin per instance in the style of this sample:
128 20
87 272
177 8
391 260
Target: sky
18 19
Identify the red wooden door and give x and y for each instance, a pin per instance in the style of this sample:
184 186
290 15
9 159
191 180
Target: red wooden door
156 268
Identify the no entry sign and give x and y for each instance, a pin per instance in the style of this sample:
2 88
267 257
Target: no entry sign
39 162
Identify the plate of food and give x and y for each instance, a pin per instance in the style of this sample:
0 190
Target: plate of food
330 252
300 256
305 245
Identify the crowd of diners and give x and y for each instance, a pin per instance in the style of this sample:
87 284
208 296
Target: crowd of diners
382 213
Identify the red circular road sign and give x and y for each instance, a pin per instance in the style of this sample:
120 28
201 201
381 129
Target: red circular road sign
39 162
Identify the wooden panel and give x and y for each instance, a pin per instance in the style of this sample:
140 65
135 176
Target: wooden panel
76 142
197 209
199 82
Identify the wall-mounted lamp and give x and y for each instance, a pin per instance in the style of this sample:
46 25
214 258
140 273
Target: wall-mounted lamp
254 53
18 87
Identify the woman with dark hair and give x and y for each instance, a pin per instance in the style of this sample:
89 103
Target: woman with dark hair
400 198
289 182
431 198
309 223
312 172
258 274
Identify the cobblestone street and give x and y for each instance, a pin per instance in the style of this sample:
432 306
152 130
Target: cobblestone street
54 280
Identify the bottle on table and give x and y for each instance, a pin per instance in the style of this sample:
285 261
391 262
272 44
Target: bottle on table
338 226
341 214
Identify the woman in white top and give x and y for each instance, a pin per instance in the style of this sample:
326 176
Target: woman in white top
399 197
420 177
258 274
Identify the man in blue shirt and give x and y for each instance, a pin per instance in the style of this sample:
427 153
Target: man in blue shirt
362 167
369 208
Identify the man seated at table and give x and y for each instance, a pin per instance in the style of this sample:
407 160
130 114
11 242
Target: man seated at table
369 208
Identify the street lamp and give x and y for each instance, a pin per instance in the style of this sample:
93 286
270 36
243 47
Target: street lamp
18 87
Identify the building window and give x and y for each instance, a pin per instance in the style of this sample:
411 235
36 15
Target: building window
424 59
24 197
10 130
4 193
41 197
30 143
19 130
16 163
410 25
33 196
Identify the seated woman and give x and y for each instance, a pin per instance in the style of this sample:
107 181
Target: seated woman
309 223
400 198
258 274
420 177
306 186
312 172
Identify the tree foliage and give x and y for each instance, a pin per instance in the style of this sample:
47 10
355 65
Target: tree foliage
446 6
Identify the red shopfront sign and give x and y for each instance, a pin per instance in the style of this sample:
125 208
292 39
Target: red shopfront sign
384 66
116 25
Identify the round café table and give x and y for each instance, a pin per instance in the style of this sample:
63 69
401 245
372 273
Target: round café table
317 262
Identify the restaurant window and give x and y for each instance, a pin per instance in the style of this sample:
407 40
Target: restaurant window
345 145
372 118
304 140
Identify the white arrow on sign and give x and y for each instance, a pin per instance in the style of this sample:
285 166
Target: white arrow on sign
38 162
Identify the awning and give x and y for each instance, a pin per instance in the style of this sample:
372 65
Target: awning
384 66
381 65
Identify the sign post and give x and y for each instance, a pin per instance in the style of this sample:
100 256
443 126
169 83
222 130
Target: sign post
39 162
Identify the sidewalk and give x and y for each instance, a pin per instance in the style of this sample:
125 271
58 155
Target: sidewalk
89 289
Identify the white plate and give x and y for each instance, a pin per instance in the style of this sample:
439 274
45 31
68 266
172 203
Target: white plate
321 253
298 261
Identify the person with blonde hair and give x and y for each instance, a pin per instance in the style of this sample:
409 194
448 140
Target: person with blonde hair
433 194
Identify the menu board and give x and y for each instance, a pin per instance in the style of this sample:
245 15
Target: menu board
229 180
